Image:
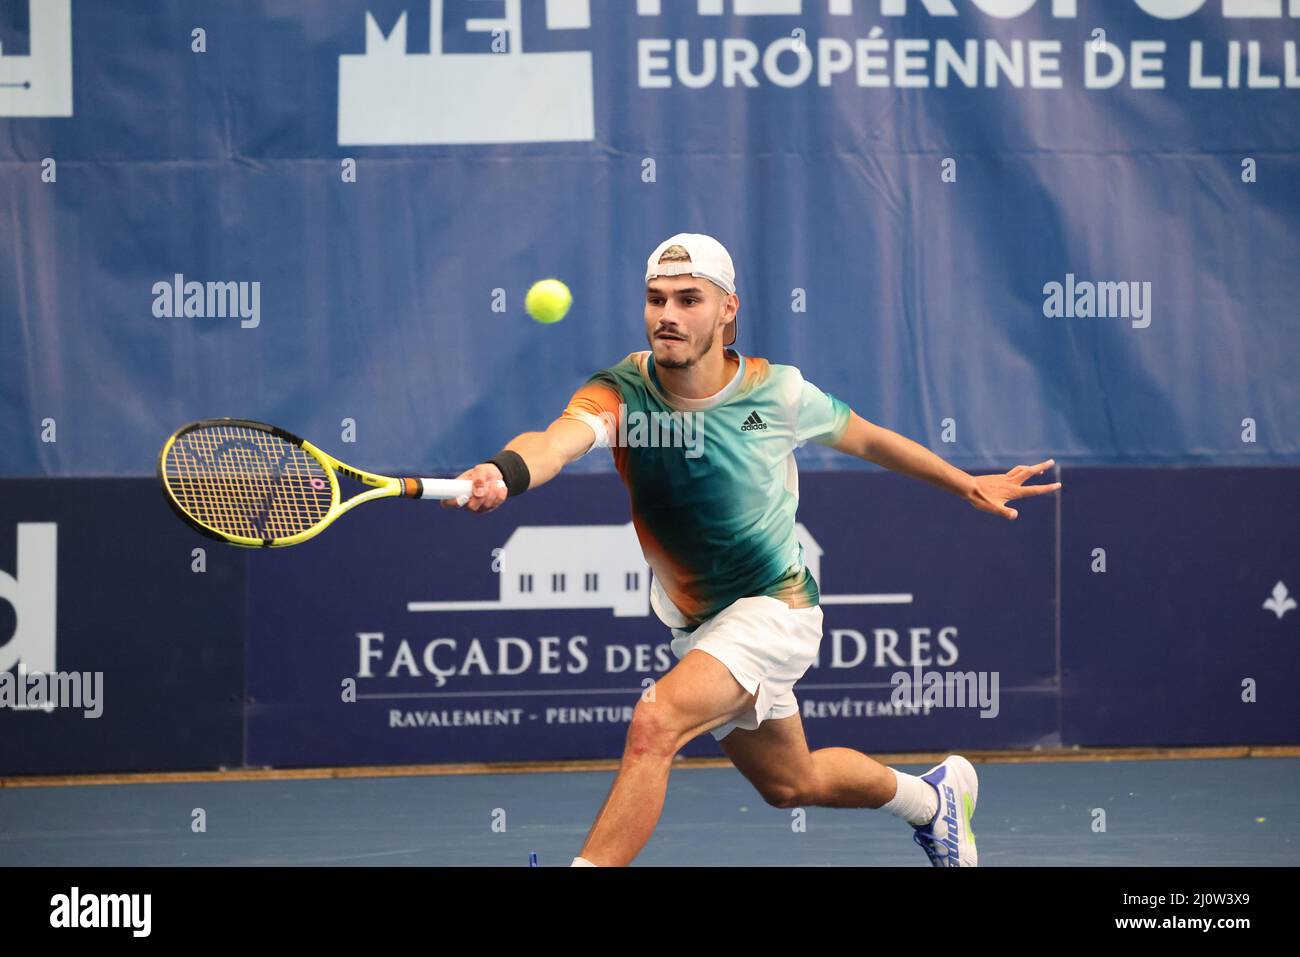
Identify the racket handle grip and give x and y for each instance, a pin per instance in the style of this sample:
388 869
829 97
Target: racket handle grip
459 489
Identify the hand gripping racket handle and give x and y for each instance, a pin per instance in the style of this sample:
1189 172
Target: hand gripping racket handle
459 489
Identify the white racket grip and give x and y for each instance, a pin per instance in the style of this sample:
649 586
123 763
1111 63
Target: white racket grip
459 489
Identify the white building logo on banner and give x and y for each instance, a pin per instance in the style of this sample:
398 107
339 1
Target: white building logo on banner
388 96
40 82
599 566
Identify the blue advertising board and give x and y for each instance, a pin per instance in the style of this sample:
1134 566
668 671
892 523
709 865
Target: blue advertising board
1178 589
101 585
409 633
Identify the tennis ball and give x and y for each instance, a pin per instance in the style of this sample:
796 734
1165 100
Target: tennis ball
548 300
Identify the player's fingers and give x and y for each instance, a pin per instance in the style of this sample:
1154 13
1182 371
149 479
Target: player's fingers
1037 489
488 495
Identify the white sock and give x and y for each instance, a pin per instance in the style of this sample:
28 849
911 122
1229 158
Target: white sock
581 862
917 802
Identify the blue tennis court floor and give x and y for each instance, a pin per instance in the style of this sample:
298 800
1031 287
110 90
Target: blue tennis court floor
1165 812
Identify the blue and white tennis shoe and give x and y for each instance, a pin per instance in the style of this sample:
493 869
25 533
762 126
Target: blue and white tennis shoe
948 839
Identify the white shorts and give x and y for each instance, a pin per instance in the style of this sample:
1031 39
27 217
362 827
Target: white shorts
766 645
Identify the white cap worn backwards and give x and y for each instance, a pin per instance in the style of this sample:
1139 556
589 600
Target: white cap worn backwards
709 260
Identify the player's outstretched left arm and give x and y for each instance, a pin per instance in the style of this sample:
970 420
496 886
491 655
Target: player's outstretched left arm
988 493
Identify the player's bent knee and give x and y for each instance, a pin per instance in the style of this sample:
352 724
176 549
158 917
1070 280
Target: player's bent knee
652 732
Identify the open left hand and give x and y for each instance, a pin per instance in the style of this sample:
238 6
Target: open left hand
990 493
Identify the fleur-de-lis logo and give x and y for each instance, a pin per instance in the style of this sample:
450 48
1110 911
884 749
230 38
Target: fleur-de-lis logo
1280 602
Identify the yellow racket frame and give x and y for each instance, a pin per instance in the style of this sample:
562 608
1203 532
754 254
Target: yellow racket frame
381 486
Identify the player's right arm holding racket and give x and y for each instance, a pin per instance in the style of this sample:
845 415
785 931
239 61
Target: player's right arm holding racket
527 461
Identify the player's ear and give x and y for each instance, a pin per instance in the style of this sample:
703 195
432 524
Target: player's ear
733 301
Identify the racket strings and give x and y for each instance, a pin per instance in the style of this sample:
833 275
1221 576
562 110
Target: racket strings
246 482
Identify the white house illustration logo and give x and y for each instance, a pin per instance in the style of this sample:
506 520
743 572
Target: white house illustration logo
388 96
39 83
599 566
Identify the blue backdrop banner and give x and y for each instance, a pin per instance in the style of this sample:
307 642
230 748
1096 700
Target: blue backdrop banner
1050 228
1146 607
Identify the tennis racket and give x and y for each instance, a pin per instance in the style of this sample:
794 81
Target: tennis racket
255 485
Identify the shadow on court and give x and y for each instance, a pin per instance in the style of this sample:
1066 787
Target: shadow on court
1224 812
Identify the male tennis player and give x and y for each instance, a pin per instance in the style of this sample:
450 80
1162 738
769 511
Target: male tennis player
717 529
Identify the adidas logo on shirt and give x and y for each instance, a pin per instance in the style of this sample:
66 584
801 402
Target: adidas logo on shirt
753 423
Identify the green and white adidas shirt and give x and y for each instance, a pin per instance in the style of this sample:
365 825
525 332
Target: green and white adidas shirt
712 482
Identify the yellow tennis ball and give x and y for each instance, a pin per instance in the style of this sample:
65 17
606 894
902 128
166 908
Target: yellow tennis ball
548 300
